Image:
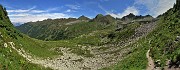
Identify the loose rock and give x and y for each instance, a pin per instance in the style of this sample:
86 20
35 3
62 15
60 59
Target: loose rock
5 45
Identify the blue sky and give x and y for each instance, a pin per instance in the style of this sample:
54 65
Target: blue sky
21 11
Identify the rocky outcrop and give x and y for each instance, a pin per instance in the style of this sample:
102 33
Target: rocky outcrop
131 17
128 17
108 19
83 18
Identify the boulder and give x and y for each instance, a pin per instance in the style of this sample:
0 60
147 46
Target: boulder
177 38
5 45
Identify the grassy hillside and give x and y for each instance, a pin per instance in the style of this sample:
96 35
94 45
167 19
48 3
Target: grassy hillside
98 34
163 41
9 58
103 38
58 30
61 29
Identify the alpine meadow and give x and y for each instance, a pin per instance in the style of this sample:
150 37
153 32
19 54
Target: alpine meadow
89 35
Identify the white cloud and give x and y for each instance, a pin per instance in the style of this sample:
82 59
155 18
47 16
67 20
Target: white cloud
156 7
31 15
75 7
31 10
127 11
70 10
18 15
22 18
21 10
104 0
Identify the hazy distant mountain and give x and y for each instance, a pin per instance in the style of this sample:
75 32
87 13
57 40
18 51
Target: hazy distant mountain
17 24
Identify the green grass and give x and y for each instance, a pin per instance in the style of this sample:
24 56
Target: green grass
59 31
74 47
161 40
127 32
87 40
136 60
164 36
37 48
13 61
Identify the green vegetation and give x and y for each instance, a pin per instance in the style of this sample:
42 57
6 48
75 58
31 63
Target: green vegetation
73 47
37 48
163 39
62 29
135 59
96 32
10 59
163 42
125 33
59 31
78 34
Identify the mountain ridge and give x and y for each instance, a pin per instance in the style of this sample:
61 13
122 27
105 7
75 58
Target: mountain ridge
105 43
104 22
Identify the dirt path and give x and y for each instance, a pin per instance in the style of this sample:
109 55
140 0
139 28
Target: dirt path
151 65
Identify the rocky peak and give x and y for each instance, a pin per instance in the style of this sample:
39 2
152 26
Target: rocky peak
99 16
130 16
148 16
109 16
83 18
108 19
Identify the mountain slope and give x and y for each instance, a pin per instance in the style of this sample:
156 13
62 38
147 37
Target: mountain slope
62 29
106 42
99 43
58 30
9 58
163 45
102 55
